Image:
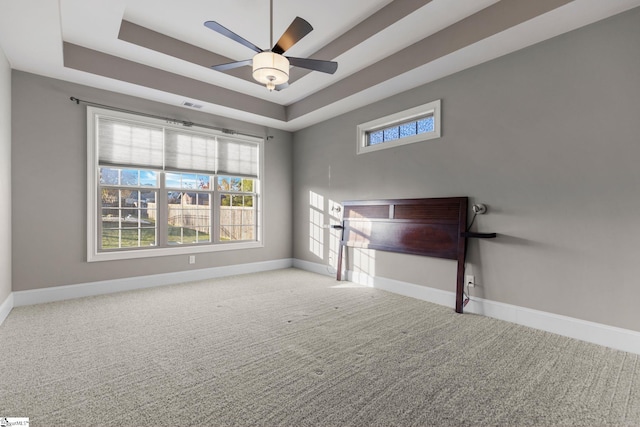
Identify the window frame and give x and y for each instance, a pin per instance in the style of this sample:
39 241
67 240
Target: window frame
94 201
432 108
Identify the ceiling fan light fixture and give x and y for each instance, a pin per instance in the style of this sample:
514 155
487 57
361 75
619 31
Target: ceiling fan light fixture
270 69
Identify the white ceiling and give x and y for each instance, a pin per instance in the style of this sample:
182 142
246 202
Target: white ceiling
35 33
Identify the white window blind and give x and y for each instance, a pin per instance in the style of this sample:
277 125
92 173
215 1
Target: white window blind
189 152
129 144
235 157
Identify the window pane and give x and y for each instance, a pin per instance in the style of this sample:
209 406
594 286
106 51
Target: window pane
129 238
115 238
237 233
247 201
187 181
202 199
247 185
173 180
391 133
203 235
110 239
229 183
124 212
376 137
401 131
111 215
223 183
110 198
189 217
148 178
147 197
175 235
228 233
204 182
148 237
186 235
237 217
109 176
129 177
407 129
426 125
236 184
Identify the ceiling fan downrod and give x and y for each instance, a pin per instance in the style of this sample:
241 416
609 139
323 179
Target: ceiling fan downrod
270 67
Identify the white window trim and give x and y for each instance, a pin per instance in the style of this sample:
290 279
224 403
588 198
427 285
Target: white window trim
433 108
94 255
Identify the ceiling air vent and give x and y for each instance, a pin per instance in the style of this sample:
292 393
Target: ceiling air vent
191 104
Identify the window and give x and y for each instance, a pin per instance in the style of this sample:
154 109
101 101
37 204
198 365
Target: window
160 189
406 127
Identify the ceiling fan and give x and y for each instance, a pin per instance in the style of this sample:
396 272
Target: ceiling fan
271 67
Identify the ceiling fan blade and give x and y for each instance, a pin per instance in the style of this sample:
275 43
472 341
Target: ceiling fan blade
232 65
296 31
213 25
328 67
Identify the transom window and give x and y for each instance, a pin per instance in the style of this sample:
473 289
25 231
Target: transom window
414 125
158 189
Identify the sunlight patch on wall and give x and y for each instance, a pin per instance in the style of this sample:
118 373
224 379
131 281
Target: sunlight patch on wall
335 218
316 222
364 262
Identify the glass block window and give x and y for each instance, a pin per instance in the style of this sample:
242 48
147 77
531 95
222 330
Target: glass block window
414 125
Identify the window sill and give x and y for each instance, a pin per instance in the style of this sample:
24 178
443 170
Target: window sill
94 256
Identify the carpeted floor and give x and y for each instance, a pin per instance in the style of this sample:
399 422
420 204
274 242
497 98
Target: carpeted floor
294 348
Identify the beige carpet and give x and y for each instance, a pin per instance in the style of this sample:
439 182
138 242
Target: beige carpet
290 348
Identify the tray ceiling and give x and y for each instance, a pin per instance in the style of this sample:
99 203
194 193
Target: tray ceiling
160 49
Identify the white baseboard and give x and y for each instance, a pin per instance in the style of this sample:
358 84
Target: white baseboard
6 307
618 338
58 293
314 267
597 333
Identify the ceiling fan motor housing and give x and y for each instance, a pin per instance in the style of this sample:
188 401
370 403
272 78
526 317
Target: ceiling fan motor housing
270 69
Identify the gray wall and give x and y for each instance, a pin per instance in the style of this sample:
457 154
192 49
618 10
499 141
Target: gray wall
5 177
548 138
49 174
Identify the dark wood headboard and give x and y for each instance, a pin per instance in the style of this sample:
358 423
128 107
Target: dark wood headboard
432 227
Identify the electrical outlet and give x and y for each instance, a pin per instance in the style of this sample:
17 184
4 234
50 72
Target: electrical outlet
192 259
470 281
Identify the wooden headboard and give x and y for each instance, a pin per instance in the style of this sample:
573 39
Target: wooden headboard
431 227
